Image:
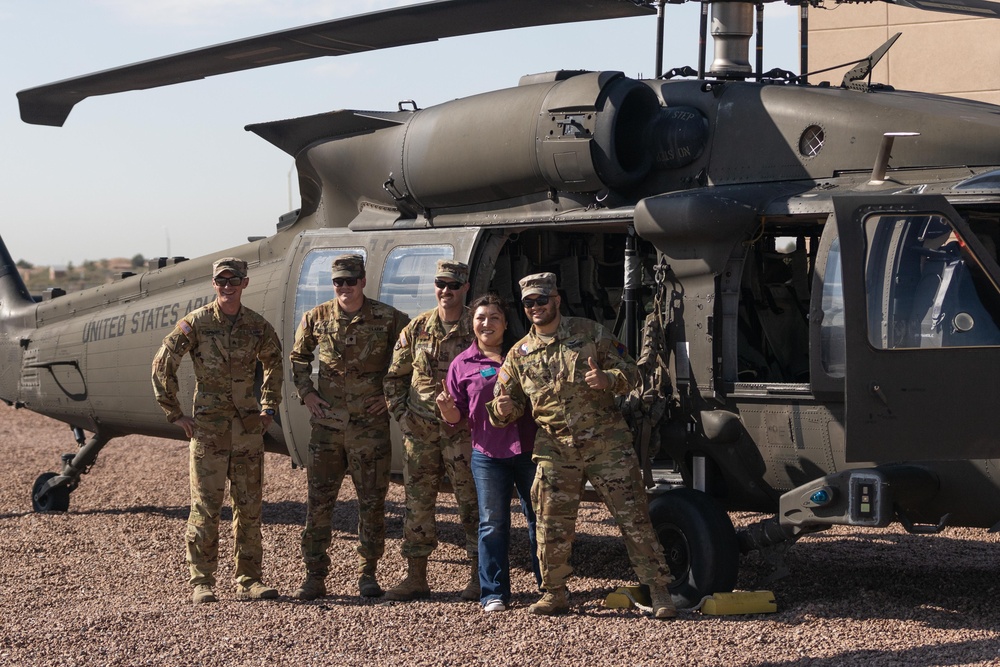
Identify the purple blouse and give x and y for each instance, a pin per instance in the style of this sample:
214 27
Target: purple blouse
471 378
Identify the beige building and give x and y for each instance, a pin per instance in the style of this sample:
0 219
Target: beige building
937 52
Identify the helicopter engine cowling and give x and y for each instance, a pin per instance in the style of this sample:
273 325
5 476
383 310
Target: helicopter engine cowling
583 134
586 133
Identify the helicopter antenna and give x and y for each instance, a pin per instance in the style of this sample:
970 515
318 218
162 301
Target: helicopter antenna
703 38
760 39
660 14
854 79
804 44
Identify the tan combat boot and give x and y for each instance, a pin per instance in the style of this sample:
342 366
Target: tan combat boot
555 601
661 603
415 585
472 591
367 584
313 587
202 594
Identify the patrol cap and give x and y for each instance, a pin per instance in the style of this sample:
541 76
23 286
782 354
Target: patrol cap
348 266
234 264
457 271
538 283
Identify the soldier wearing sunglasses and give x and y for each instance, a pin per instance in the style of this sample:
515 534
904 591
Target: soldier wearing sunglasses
567 372
353 337
226 340
431 445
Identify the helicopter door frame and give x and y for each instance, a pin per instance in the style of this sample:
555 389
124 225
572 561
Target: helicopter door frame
935 291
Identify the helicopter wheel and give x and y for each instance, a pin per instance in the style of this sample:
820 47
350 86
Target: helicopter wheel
699 543
55 500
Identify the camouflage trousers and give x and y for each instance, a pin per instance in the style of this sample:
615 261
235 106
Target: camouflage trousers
430 450
613 470
236 456
363 450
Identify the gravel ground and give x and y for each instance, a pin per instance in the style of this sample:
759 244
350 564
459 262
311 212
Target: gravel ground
106 584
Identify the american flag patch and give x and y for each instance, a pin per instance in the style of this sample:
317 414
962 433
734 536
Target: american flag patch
402 342
185 327
503 376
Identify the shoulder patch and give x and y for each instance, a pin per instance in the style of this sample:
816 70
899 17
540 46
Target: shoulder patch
503 376
185 327
402 343
620 349
523 350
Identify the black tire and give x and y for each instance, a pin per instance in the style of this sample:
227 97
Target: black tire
699 543
55 500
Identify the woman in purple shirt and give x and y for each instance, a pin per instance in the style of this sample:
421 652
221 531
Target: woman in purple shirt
501 457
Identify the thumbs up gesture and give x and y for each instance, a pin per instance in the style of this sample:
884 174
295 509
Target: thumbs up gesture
503 403
595 377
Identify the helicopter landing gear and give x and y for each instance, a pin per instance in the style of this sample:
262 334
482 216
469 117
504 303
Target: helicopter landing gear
699 543
49 498
50 492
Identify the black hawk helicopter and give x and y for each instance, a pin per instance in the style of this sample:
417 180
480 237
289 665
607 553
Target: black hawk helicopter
807 273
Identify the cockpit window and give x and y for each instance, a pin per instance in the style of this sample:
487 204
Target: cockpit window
833 343
925 287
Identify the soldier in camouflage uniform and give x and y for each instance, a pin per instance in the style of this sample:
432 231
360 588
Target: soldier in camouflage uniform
569 370
431 446
225 340
350 423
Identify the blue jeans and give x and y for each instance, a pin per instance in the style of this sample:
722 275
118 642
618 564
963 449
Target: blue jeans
495 481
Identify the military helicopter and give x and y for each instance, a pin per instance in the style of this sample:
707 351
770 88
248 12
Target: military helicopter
807 272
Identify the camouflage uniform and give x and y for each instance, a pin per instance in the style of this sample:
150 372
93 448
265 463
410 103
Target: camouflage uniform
354 353
228 435
419 364
588 439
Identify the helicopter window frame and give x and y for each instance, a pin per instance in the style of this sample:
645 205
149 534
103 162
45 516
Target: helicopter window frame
925 287
412 292
315 281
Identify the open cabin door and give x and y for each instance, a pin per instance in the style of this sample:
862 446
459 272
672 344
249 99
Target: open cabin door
922 311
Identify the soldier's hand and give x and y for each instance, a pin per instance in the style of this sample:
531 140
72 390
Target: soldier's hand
503 403
316 405
186 423
596 378
376 405
446 404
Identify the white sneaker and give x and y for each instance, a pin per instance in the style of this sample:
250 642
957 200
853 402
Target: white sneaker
495 605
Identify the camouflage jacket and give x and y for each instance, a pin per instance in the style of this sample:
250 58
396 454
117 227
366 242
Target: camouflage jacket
354 352
420 362
224 358
550 376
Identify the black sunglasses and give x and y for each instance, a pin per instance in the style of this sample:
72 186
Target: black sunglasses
232 280
441 284
340 282
537 301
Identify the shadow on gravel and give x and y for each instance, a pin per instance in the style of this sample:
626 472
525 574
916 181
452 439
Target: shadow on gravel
986 651
935 581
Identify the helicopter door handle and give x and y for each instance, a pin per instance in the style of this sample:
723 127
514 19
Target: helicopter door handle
876 389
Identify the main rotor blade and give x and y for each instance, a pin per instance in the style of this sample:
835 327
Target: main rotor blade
981 8
415 24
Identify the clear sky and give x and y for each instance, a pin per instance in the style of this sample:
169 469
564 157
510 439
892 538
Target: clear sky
171 171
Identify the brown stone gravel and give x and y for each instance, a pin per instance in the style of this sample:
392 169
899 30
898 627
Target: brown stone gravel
106 584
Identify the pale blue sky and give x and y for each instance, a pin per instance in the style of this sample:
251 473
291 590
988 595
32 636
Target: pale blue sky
133 172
